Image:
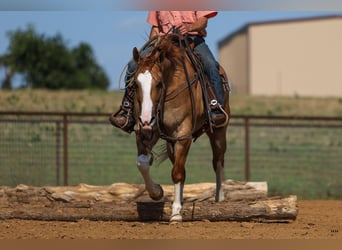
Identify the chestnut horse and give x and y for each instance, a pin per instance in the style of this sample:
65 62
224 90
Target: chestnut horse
169 105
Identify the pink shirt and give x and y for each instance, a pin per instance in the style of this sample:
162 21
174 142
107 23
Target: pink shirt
165 20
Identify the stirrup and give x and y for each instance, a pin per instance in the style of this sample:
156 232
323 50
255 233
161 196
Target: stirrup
217 106
128 126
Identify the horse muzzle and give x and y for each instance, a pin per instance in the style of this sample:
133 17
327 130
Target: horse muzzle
147 125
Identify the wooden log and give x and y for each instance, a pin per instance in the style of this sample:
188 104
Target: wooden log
269 209
129 192
128 202
234 190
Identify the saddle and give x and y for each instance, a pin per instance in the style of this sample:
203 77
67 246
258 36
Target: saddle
188 44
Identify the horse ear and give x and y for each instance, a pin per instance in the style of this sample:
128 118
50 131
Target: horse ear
136 55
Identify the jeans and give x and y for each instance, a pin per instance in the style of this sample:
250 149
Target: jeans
210 65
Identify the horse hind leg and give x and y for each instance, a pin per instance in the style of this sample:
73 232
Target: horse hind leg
219 195
218 145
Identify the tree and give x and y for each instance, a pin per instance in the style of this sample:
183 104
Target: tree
46 62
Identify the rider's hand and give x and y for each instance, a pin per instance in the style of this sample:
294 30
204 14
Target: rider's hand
183 28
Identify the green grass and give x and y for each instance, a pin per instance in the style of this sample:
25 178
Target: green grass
108 101
302 161
305 161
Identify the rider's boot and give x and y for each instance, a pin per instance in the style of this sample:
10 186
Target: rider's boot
124 118
217 114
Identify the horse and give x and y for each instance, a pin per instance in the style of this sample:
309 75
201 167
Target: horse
169 105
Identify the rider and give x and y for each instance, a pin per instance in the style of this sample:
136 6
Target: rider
191 23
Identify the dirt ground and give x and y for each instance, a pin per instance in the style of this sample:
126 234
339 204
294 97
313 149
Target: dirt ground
316 220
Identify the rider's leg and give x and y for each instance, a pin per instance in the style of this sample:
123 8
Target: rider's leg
211 69
124 118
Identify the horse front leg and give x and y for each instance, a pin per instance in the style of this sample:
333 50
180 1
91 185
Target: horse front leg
144 161
177 203
178 155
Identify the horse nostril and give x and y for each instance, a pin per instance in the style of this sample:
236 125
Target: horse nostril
153 121
145 123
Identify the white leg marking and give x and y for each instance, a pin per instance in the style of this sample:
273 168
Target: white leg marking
219 192
177 203
146 84
219 188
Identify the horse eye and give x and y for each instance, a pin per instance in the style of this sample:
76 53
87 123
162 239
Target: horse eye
159 85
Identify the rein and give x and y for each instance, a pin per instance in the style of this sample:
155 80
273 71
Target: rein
197 65
184 86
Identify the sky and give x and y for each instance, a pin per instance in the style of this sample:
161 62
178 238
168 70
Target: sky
113 33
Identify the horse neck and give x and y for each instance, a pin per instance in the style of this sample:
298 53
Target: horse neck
175 73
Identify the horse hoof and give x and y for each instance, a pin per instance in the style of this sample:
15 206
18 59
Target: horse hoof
177 218
156 196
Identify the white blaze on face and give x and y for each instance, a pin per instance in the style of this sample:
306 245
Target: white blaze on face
146 83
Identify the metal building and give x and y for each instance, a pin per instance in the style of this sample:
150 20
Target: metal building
289 57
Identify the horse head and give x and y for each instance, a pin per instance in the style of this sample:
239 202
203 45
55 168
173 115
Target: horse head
149 88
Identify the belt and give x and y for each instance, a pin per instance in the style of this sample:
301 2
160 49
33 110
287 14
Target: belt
197 39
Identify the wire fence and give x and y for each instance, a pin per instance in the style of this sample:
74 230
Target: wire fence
295 155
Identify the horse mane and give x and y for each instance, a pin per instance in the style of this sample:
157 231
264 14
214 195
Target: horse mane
169 47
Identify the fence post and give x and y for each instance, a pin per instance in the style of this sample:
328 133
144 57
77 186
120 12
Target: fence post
65 147
247 166
58 143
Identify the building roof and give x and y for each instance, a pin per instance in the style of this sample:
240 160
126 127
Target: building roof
245 27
